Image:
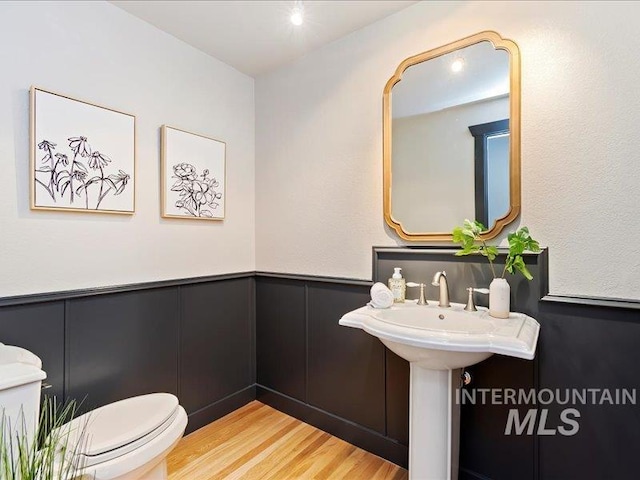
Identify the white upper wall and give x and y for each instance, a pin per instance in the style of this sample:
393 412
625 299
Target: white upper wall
96 52
319 140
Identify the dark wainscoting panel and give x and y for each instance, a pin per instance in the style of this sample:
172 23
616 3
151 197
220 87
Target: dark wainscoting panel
220 408
281 336
397 397
215 343
344 363
591 347
338 372
194 337
122 345
179 335
40 329
482 425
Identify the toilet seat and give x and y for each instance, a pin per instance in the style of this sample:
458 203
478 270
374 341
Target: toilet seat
146 462
119 428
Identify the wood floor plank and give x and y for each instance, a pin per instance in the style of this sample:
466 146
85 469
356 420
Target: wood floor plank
289 446
315 441
390 471
257 442
366 468
309 466
259 457
352 462
205 439
340 456
236 446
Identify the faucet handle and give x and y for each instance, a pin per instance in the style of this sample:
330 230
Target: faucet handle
422 300
471 306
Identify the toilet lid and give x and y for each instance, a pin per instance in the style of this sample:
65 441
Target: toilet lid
16 374
107 431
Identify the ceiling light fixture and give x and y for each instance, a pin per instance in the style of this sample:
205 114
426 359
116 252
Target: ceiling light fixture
297 14
457 65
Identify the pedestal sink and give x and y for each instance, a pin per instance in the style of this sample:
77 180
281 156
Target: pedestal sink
436 342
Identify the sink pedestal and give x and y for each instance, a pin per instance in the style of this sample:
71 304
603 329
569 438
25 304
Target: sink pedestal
437 343
433 424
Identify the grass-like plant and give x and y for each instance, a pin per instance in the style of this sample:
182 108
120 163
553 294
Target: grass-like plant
52 453
471 241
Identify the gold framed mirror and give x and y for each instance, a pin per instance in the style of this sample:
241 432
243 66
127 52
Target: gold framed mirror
451 139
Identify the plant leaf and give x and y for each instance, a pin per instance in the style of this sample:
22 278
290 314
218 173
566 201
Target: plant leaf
468 250
458 236
466 236
491 252
520 241
518 264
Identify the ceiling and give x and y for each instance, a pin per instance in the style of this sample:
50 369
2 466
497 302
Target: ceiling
256 36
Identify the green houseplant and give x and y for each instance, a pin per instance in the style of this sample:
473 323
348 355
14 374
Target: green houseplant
49 453
469 236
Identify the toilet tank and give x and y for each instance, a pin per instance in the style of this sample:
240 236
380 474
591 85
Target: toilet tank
21 377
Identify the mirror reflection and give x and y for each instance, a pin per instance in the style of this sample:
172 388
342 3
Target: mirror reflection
449 140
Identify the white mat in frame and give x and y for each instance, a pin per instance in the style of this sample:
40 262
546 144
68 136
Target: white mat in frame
192 175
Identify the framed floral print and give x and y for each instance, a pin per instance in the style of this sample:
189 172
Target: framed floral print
82 156
192 175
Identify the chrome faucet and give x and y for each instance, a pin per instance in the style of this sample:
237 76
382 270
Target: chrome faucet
440 280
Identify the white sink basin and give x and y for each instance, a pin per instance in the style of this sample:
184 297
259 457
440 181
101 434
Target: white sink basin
436 342
446 338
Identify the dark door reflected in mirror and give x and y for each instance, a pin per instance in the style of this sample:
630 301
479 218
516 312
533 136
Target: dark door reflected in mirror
491 163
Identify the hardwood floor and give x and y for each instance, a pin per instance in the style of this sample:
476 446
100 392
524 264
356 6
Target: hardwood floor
259 442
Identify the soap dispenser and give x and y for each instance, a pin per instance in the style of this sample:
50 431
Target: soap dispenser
398 286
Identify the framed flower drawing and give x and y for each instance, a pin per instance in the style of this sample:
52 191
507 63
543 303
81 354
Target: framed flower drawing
82 156
192 175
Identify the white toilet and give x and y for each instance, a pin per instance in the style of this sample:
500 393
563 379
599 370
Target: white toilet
20 378
125 440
